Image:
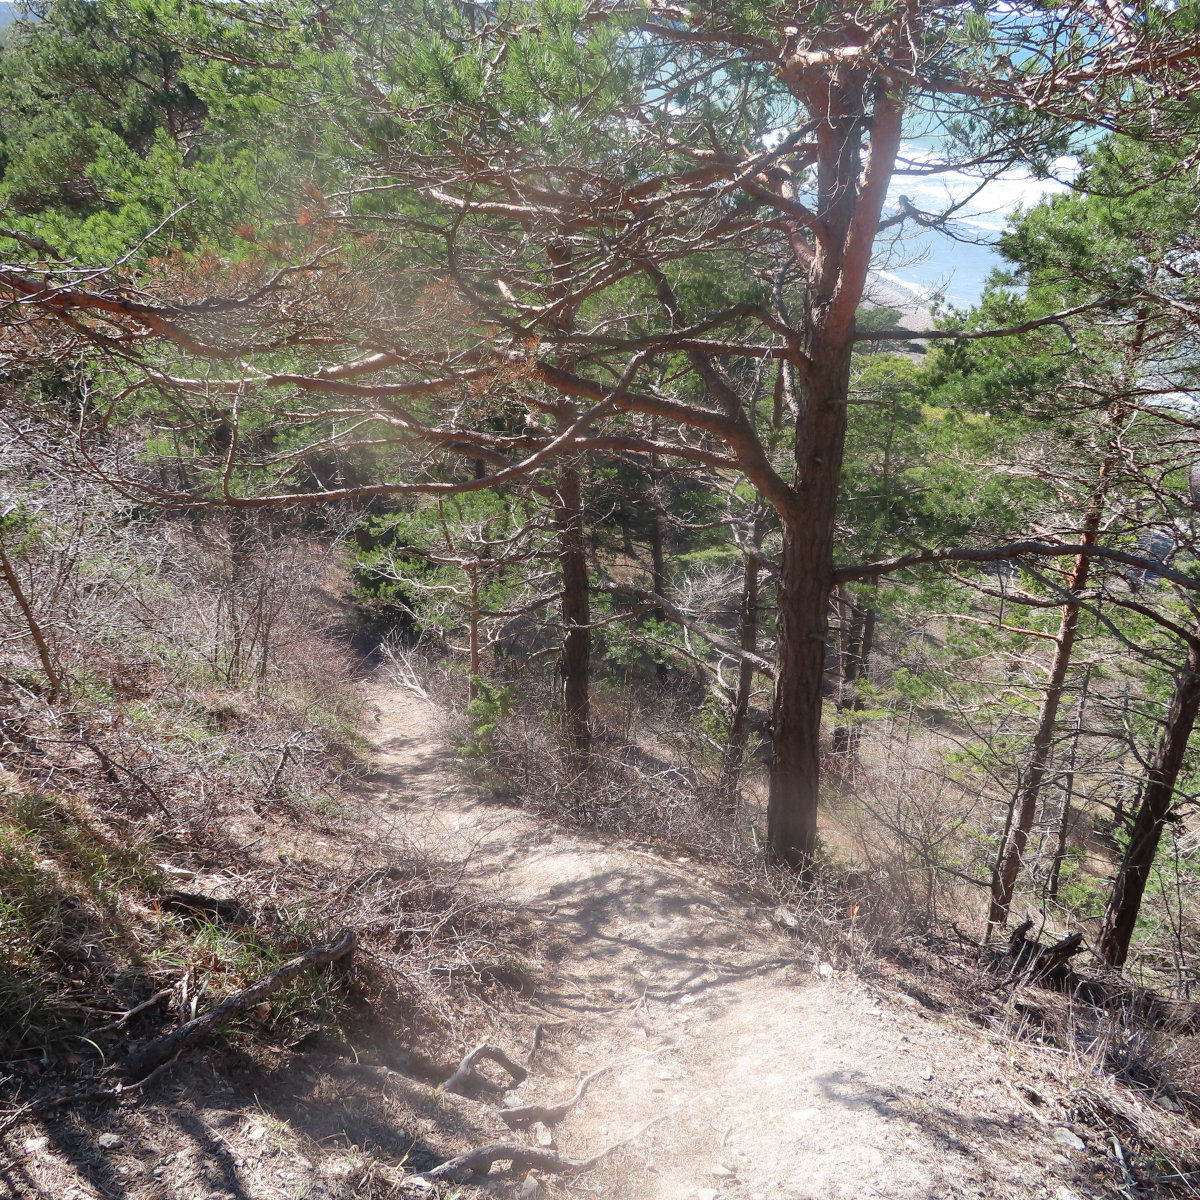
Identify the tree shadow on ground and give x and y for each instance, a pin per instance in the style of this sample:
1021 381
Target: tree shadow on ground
227 1130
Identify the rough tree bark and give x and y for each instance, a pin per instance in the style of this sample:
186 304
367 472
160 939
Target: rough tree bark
850 201
1125 901
805 582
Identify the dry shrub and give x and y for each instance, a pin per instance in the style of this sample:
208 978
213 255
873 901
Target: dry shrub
907 824
91 871
645 777
203 740
1136 1084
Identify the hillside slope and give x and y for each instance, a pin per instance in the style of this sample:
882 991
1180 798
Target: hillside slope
739 1064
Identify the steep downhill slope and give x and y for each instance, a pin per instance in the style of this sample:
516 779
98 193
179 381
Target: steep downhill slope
764 1074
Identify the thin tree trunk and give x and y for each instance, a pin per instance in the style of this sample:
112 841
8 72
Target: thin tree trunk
575 608
783 398
735 750
1125 902
1064 819
575 661
658 572
473 575
1025 800
855 656
31 622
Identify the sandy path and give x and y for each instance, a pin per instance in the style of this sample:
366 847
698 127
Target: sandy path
768 1080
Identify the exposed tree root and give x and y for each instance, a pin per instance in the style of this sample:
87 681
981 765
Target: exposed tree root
466 1073
465 1167
551 1114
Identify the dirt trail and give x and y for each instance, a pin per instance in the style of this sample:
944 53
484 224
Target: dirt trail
768 1078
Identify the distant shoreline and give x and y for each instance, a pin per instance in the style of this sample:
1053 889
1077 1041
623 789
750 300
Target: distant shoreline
886 291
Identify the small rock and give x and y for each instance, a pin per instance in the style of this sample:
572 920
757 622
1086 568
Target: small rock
874 1012
721 1171
109 1141
785 918
1065 1193
530 1187
707 1194
511 1101
35 1145
907 999
255 1132
687 999
1071 1141
825 971
545 1137
927 1074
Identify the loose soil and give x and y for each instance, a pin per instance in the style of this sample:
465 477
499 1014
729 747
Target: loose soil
743 1066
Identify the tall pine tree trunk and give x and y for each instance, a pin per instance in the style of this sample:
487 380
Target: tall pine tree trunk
805 582
850 199
575 659
1125 902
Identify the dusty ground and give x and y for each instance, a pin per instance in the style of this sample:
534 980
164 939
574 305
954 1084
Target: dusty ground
767 1077
744 1066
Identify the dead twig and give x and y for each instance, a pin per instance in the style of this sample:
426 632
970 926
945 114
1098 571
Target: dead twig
81 1096
133 1012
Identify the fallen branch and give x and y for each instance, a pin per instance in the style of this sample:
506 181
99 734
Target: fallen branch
466 1069
464 1167
146 1058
